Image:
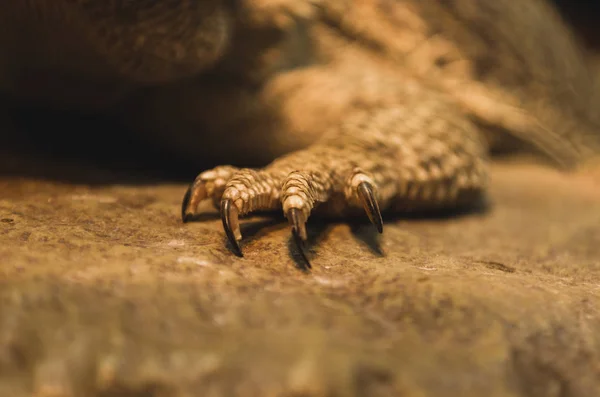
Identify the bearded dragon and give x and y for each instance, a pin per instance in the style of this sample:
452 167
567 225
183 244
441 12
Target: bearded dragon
381 105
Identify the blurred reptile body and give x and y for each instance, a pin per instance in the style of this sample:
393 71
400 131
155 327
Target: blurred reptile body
374 104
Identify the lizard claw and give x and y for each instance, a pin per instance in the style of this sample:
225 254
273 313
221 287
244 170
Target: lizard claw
185 215
370 204
298 224
229 216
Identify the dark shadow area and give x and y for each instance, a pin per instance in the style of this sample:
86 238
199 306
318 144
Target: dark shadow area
253 229
479 207
82 148
368 235
583 17
87 149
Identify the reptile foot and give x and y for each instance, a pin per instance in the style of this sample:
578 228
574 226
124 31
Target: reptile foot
373 161
238 192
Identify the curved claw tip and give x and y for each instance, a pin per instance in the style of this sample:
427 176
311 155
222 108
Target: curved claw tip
297 222
370 204
300 245
185 217
230 225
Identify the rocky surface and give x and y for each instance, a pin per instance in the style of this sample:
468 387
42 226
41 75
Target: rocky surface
103 291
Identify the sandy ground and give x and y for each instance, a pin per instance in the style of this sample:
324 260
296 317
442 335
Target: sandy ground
104 292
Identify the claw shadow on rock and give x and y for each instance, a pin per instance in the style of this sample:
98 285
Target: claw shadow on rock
480 207
252 229
368 235
316 232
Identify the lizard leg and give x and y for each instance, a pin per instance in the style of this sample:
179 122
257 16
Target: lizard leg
394 158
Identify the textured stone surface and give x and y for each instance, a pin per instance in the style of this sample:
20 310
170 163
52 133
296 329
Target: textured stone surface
103 291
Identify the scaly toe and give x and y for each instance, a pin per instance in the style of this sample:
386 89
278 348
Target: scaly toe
193 196
209 184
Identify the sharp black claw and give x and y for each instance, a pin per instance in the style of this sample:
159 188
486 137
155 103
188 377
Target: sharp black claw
296 219
367 197
300 245
297 222
226 217
186 201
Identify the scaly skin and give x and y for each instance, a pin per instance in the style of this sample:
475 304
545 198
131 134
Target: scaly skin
382 105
